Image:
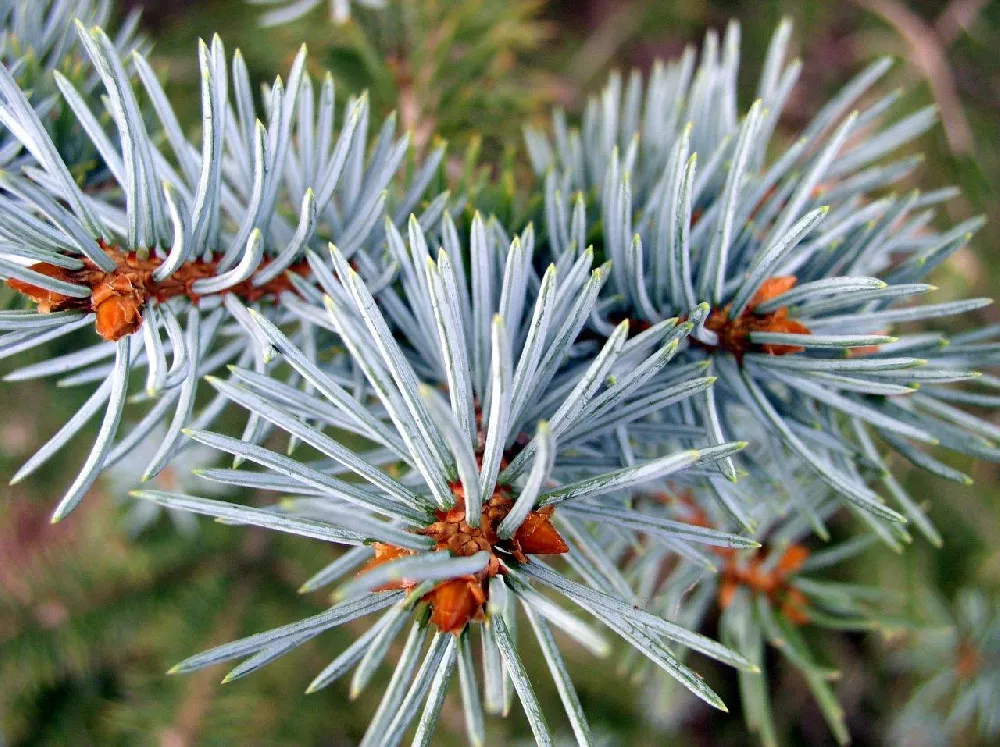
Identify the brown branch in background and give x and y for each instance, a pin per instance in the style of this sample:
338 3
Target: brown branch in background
928 55
619 25
414 97
201 686
956 18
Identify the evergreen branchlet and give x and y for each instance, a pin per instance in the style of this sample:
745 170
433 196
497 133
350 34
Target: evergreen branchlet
651 403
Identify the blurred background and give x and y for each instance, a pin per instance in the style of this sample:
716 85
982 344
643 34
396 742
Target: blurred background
93 611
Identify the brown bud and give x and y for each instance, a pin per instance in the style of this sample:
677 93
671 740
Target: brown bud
537 536
454 603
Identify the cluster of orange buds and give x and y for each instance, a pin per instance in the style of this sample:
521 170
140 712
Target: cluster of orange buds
457 601
967 660
118 296
734 334
772 582
751 573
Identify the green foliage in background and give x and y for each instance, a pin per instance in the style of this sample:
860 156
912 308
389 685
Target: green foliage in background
90 619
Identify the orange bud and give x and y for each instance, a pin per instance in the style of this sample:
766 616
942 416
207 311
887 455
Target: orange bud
792 559
454 603
772 288
117 317
383 554
727 591
795 607
967 660
537 536
47 300
758 579
863 350
781 324
866 349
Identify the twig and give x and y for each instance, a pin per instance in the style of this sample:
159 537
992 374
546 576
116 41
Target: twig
604 43
929 57
202 685
956 18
